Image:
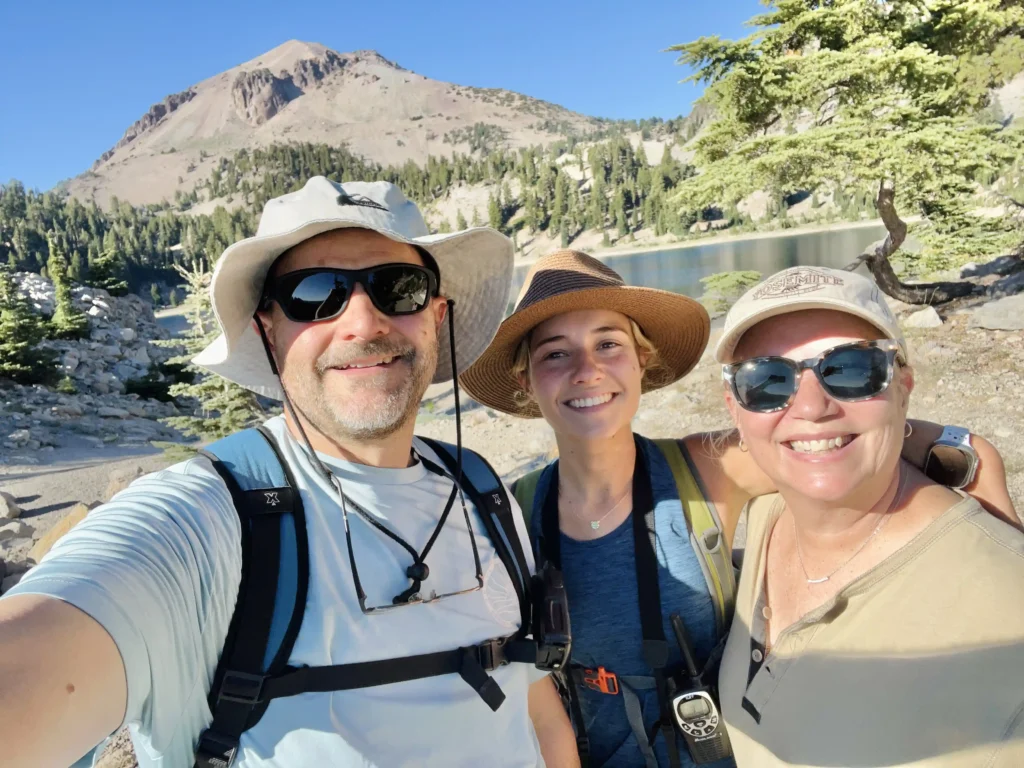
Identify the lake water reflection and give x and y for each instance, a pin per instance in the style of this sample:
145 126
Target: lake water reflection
680 269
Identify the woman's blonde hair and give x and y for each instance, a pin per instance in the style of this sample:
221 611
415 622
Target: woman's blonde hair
655 373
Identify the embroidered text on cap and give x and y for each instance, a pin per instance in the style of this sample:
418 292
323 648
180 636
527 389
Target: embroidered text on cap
795 282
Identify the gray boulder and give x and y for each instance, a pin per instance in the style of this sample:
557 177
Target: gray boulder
1001 315
925 318
9 509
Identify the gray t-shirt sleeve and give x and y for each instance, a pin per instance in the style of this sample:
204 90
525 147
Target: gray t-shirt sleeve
158 567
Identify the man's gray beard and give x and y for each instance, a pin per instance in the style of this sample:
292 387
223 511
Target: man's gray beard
396 409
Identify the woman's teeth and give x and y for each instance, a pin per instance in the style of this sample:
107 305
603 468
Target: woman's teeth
820 446
589 402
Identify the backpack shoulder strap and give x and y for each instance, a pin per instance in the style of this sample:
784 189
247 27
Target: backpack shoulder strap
705 530
272 592
485 489
525 491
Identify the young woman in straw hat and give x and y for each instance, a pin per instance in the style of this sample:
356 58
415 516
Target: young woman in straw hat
579 350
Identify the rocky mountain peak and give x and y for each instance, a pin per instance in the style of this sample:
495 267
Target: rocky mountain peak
154 116
258 95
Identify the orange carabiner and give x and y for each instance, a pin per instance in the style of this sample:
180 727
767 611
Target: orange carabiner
601 680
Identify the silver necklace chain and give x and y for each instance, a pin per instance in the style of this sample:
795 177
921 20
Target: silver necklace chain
596 524
881 523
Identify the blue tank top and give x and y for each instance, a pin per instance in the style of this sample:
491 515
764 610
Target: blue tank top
600 580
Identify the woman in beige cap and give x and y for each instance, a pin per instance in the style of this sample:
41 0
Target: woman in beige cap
579 350
879 616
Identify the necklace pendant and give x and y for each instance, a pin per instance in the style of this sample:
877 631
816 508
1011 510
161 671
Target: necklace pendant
818 581
595 524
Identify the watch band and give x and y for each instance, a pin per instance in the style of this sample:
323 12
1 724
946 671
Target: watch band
957 436
958 462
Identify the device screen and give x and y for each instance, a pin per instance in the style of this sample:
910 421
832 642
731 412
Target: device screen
693 708
945 466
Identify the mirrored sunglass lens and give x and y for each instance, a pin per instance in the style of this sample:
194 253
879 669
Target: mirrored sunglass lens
764 385
399 290
855 373
319 296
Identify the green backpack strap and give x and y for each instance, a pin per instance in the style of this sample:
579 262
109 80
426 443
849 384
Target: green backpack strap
705 532
524 489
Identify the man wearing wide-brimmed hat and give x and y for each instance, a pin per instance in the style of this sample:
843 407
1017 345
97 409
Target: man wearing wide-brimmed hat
346 309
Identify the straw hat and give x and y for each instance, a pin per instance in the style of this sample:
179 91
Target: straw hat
567 281
475 266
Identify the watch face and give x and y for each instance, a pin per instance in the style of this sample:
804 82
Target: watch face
949 466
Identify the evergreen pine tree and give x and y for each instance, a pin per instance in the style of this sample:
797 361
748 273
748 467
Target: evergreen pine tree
77 269
225 407
108 272
493 212
560 205
619 207
476 218
20 331
173 298
460 221
154 294
67 322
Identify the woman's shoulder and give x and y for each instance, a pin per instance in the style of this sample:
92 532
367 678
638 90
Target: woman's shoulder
760 513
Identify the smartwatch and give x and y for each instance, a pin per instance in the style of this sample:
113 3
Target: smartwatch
952 460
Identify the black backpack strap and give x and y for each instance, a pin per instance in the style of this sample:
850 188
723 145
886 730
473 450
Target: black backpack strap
272 592
656 648
484 487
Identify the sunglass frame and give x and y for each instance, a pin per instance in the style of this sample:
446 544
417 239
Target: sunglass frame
889 346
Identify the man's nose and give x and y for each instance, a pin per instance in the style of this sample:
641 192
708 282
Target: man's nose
361 319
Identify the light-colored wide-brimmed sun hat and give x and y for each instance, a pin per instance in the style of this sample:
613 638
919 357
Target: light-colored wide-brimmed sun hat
475 266
567 281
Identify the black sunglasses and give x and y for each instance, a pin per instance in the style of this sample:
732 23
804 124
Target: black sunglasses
849 372
322 293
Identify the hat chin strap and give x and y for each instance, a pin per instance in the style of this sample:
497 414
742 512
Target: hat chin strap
295 411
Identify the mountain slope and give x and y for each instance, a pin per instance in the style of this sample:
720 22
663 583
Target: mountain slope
307 92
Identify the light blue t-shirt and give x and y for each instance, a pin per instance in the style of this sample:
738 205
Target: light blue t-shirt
159 568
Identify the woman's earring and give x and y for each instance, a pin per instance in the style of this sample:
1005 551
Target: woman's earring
908 430
743 445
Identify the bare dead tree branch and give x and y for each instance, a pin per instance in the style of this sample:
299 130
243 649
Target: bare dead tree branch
876 257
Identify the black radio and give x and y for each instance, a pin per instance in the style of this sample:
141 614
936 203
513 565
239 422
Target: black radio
551 619
695 709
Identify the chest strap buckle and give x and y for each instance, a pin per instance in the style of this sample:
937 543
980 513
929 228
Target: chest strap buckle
601 680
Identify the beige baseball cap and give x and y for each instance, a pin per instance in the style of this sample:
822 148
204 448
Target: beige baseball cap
799 288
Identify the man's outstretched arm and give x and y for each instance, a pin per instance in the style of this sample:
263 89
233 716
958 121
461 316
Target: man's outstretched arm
62 682
122 621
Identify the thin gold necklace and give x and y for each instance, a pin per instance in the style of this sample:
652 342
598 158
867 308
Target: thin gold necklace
881 522
596 524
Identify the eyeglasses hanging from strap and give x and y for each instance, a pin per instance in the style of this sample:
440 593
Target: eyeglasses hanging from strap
418 572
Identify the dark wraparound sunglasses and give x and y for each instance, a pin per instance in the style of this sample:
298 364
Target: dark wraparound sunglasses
322 293
849 372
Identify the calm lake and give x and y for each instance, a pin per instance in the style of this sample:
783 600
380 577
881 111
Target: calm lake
680 269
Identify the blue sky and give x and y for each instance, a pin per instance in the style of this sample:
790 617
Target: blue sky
76 75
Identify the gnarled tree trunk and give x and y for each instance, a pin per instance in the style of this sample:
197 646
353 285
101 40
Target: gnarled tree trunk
876 257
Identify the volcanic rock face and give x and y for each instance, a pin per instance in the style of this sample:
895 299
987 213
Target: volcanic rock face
155 114
259 95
